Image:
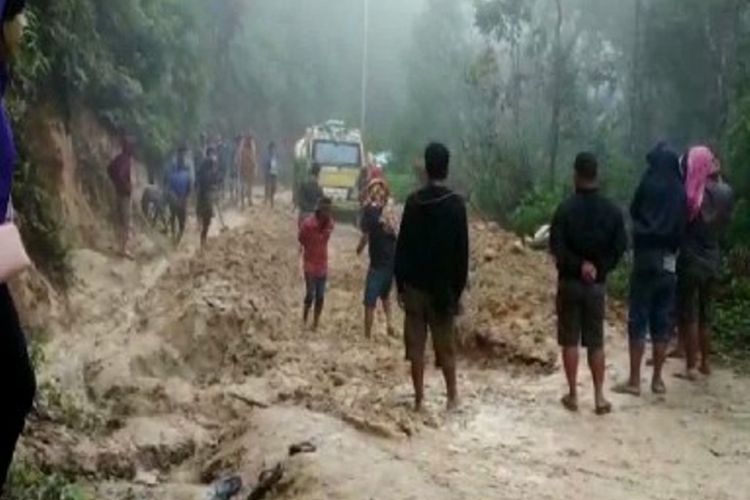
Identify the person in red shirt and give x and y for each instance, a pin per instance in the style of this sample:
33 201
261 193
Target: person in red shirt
120 173
314 234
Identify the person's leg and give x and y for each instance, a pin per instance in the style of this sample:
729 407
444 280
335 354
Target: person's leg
638 318
370 300
415 340
181 220
369 320
687 320
274 185
15 366
661 321
593 339
387 310
309 298
704 327
385 299
320 294
173 221
205 226
442 329
569 338
570 366
126 224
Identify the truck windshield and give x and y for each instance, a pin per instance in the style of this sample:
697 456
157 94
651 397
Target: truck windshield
339 154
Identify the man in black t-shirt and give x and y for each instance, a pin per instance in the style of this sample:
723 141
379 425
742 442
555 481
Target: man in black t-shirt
379 234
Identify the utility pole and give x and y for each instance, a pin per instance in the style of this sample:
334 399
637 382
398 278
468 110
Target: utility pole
365 56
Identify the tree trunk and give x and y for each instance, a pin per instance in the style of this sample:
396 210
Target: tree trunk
636 81
557 95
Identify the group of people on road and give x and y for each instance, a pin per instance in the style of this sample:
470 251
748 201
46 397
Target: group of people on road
218 172
679 213
426 255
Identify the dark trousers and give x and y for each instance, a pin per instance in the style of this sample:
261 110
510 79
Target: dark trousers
18 381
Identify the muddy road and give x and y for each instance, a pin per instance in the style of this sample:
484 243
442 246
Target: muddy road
173 371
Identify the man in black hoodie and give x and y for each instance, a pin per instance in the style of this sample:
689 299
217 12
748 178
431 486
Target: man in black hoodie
431 267
659 214
587 239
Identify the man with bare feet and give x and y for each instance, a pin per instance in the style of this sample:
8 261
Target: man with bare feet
431 267
314 234
659 214
710 204
587 240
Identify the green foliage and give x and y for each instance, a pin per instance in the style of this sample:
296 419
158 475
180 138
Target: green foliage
40 225
27 482
731 321
535 209
401 185
60 407
618 281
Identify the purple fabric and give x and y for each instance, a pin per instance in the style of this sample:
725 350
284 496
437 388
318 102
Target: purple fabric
7 147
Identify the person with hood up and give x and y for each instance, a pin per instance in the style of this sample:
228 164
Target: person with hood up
431 269
19 387
659 217
710 203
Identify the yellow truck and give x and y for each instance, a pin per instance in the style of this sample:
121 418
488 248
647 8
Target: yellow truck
341 155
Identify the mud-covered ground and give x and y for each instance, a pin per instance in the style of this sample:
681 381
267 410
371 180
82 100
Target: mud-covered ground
165 374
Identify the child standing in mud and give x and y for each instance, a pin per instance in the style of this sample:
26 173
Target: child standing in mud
314 234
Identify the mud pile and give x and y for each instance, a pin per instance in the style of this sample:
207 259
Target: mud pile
509 310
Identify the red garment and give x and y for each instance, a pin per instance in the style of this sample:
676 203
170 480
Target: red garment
314 236
119 173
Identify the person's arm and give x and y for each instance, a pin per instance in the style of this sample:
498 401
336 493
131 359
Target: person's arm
302 235
403 244
461 268
567 262
635 205
620 243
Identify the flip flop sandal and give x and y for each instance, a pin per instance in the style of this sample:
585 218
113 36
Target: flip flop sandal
626 389
604 409
658 388
569 403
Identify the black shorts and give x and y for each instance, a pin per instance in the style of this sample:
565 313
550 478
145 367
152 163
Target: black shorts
580 314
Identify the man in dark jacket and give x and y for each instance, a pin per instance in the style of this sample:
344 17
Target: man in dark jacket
659 214
431 267
587 239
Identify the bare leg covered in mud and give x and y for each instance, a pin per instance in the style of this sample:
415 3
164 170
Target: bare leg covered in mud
596 361
420 317
570 365
370 319
636 349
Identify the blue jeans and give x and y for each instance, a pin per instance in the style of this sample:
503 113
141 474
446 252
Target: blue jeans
652 306
315 289
378 286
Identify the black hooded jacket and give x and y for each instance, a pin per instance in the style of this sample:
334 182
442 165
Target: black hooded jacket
432 253
659 208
